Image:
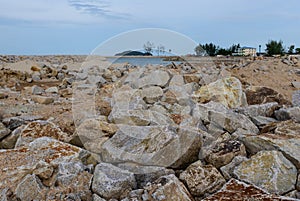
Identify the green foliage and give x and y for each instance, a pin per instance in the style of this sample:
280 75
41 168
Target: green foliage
297 50
274 48
213 50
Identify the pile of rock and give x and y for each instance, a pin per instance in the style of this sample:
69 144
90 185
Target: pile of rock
155 133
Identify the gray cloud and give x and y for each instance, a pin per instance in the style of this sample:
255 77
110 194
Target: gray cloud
99 8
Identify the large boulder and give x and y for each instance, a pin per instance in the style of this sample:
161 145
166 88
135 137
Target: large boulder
260 95
164 146
227 91
202 179
237 190
38 158
39 129
285 139
269 170
112 182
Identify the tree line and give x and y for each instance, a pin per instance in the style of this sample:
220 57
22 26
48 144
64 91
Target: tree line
273 47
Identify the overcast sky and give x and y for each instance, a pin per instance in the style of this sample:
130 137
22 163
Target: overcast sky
79 26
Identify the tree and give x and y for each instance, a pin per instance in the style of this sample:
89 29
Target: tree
223 51
274 47
297 50
209 49
148 47
199 50
291 49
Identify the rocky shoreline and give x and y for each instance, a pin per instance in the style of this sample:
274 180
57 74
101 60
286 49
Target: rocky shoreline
77 129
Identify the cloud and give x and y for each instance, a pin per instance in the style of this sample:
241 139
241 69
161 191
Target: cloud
97 8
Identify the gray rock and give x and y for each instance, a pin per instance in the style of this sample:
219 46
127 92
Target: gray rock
154 78
284 114
284 140
3 131
30 188
10 141
201 179
261 121
296 85
97 198
177 80
36 90
151 94
112 182
153 145
269 170
36 77
52 90
60 76
231 121
13 122
227 170
296 98
266 110
298 183
145 174
167 188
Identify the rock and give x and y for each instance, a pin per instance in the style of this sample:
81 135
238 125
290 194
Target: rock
167 188
261 121
43 99
231 121
22 161
224 152
43 170
36 90
284 114
260 95
10 141
66 92
112 182
296 85
52 90
60 76
202 179
35 68
154 78
39 129
177 80
269 170
72 181
227 170
3 131
237 190
97 198
227 91
152 145
189 78
288 144
36 77
145 174
30 188
265 110
296 98
151 94
13 122
3 95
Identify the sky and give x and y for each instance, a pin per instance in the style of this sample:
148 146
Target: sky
39 27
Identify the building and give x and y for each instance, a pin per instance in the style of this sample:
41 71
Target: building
246 51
